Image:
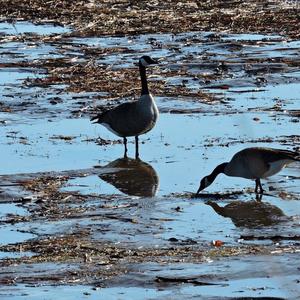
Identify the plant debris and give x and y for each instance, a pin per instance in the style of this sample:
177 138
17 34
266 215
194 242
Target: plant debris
78 235
124 17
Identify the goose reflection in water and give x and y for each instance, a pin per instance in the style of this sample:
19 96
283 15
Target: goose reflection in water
132 177
250 214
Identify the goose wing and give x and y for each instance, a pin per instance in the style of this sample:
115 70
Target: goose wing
112 114
265 162
270 155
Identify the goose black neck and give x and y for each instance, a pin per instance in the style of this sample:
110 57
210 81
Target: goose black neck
218 209
218 169
145 90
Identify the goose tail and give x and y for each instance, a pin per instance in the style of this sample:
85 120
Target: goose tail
292 155
295 156
97 119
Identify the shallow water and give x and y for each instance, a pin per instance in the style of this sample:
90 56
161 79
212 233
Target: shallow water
11 235
181 149
168 149
269 281
27 27
12 209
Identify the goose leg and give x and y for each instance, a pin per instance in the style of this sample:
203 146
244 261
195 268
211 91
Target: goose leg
258 197
125 147
136 147
258 186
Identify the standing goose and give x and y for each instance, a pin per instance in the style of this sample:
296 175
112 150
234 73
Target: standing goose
253 163
132 118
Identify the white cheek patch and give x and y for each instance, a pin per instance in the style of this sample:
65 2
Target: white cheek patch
143 62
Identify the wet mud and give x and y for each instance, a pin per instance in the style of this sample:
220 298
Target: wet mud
78 219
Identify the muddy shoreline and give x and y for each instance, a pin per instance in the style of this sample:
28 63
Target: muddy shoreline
124 17
228 78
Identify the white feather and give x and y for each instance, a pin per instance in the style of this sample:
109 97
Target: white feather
143 62
276 166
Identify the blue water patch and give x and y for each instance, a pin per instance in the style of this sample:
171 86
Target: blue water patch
16 28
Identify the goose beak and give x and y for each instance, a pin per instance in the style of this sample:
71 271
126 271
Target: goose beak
203 184
199 190
154 61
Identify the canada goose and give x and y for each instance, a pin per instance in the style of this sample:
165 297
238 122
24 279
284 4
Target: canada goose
250 214
132 177
252 163
132 118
